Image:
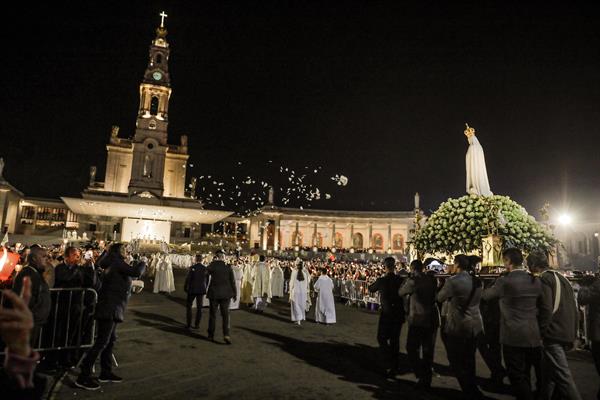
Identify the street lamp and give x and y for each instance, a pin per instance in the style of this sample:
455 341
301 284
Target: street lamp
565 219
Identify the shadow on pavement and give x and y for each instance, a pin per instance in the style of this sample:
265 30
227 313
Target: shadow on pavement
355 363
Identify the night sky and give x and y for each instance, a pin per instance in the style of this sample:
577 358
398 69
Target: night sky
376 91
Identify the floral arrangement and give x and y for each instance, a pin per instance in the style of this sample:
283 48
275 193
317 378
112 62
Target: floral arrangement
459 225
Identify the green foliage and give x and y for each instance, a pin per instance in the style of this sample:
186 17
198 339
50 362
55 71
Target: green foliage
459 225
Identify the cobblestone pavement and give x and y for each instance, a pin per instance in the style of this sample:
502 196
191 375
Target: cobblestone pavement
270 358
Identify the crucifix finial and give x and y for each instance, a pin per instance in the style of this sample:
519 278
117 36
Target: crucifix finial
162 19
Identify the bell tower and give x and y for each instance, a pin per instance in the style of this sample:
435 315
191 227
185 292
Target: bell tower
150 140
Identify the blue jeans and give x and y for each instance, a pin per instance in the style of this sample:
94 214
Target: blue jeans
556 375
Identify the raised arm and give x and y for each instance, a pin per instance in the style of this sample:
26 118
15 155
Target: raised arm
495 291
407 288
375 286
446 291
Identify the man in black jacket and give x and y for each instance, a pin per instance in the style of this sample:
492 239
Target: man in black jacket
195 287
391 315
38 261
70 311
522 309
559 331
112 302
220 292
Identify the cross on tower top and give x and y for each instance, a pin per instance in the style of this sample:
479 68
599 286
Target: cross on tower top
162 19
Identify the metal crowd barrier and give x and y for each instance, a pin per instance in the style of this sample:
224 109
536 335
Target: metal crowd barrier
70 324
355 292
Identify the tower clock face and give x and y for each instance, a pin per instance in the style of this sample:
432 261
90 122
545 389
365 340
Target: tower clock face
157 75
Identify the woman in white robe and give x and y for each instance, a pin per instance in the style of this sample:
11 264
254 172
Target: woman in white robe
325 305
299 282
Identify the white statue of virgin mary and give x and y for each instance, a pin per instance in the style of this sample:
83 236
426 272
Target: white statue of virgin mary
477 179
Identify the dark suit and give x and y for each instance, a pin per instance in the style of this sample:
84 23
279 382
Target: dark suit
521 304
391 317
195 287
423 321
112 301
220 292
463 325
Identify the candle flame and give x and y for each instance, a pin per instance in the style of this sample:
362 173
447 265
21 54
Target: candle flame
3 259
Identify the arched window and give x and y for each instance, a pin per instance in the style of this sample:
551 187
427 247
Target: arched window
158 58
317 240
377 241
398 242
297 238
154 105
357 240
339 240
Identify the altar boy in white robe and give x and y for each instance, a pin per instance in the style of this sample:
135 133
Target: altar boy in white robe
261 287
325 305
276 280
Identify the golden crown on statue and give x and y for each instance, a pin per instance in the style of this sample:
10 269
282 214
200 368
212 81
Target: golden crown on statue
469 131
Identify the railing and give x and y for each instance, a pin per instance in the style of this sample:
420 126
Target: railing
70 324
355 291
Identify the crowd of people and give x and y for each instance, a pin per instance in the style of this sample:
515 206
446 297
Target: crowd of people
523 321
108 274
527 317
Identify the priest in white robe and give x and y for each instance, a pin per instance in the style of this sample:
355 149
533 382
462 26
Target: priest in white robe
299 286
247 280
325 304
164 280
261 286
477 178
276 280
238 273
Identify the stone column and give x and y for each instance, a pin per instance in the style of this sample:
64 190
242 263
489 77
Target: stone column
351 235
297 242
264 236
370 235
389 236
248 233
314 239
333 235
276 233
